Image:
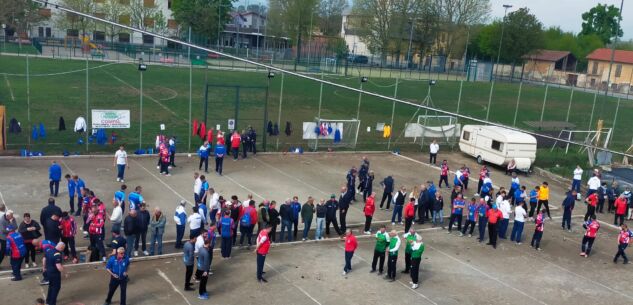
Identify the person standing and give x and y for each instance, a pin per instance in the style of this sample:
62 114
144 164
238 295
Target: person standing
438 210
220 151
204 262
136 199
203 153
285 212
470 219
543 198
363 172
434 148
226 233
69 229
398 205
368 210
197 186
253 135
131 229
30 231
273 216
602 197
592 226
506 210
120 162
295 206
350 246
117 267
593 184
163 154
394 246
321 212
494 215
50 225
119 196
409 237
592 202
157 229
307 213
330 216
54 176
444 174
52 266
172 151
624 239
409 214
246 143
382 241
387 191
143 220
346 197
417 248
180 218
248 219
423 204
351 182
96 224
16 250
261 249
483 173
116 218
533 201
80 186
519 221
568 206
620 210
236 140
575 184
457 210
369 185
72 187
538 230
187 259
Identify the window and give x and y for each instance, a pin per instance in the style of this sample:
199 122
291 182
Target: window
124 37
148 39
466 136
48 32
595 68
40 32
72 33
99 36
169 4
496 145
618 70
171 24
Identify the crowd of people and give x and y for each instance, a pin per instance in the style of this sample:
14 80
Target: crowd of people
212 217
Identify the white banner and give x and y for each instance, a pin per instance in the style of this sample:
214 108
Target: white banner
110 118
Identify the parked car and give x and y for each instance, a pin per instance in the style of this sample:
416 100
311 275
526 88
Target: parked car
358 59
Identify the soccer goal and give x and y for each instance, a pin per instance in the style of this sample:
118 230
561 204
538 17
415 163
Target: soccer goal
331 133
328 65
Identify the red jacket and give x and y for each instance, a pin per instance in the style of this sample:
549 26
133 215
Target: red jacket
593 199
494 215
409 210
620 206
264 243
370 207
592 228
350 243
253 213
96 224
235 141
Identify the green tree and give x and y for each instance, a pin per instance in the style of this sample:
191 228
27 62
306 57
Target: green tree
338 46
113 10
203 15
603 21
522 35
19 15
291 18
456 16
579 45
70 21
331 16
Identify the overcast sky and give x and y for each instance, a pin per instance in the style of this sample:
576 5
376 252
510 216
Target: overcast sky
565 13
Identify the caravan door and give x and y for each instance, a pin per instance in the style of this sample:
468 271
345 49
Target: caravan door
470 138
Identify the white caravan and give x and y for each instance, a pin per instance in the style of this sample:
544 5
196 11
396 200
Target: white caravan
498 145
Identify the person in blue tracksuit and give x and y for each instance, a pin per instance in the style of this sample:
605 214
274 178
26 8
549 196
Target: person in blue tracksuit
119 196
568 207
172 152
117 267
80 185
344 201
482 212
136 199
203 153
54 176
220 151
295 206
72 187
471 218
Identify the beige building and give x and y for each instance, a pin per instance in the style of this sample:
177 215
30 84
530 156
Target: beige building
551 66
621 71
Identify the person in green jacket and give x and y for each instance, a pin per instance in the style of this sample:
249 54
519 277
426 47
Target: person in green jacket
409 238
382 240
417 248
394 245
307 212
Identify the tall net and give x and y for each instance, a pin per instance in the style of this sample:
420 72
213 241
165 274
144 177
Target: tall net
327 133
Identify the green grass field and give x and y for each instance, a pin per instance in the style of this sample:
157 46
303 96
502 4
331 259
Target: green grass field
58 88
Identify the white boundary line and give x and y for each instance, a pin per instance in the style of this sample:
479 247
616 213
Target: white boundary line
293 284
6 79
486 274
66 166
164 276
399 282
4 202
163 182
244 187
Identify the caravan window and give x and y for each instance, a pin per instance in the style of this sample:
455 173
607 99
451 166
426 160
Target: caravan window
466 136
496 145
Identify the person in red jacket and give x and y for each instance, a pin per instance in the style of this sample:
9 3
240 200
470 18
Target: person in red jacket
236 139
163 152
262 248
624 239
95 230
247 223
350 246
592 202
538 230
494 215
409 214
620 210
369 209
592 227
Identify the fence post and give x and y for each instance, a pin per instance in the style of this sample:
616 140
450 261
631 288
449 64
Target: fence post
492 86
571 98
459 98
593 108
316 142
615 117
516 110
281 99
544 101
393 111
87 104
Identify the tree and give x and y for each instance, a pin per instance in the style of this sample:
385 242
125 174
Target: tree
76 22
331 16
374 21
455 18
579 45
203 15
523 34
603 21
338 46
19 15
291 18
113 10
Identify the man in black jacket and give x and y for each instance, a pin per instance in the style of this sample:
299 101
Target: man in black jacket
141 235
273 216
363 171
343 205
131 228
423 204
330 216
351 181
387 185
398 206
285 211
51 230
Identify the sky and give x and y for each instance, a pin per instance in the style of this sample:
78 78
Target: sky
565 13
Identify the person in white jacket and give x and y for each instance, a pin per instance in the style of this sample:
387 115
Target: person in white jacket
180 218
506 210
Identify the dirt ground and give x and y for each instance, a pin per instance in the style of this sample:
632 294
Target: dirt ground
455 270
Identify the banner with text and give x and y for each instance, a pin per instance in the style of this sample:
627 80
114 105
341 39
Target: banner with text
110 118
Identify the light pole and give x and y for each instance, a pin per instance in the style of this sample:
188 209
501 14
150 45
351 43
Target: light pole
270 76
363 79
141 68
606 91
506 7
4 36
410 42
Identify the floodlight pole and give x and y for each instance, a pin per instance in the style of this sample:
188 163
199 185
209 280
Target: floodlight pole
506 7
360 96
28 96
281 99
190 89
140 126
264 131
393 111
516 110
492 87
87 103
316 142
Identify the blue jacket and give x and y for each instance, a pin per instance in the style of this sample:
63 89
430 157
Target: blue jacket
220 150
187 254
80 185
120 196
117 266
203 153
296 208
182 216
432 192
517 195
72 187
135 200
569 201
55 172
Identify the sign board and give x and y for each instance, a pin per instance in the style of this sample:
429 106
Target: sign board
110 118
231 124
162 126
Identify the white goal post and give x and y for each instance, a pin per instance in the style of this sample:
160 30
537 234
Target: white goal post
331 133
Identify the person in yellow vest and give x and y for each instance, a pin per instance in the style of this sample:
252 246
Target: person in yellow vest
543 198
417 248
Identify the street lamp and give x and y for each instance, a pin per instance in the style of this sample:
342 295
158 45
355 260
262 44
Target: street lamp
363 79
270 76
506 7
142 67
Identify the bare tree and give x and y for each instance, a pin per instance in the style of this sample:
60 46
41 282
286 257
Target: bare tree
456 16
331 15
113 10
374 22
19 15
72 21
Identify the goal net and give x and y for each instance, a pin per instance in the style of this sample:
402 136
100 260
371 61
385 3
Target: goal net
442 127
331 133
328 65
